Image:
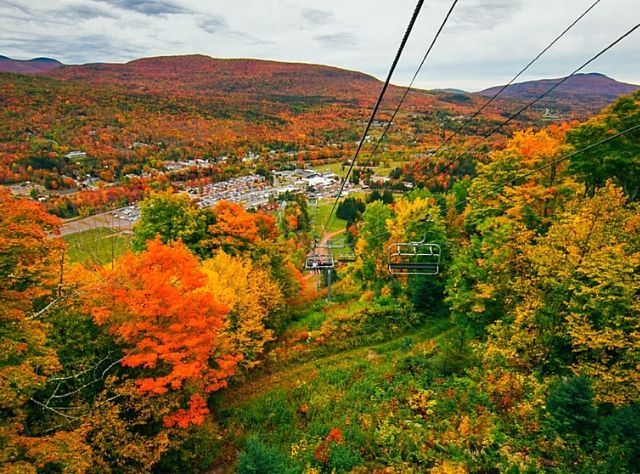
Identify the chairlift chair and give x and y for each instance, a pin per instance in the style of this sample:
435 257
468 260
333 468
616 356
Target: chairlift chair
316 262
414 258
345 255
337 243
341 250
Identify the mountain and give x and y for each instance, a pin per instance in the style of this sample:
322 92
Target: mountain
130 117
204 75
450 90
30 66
592 91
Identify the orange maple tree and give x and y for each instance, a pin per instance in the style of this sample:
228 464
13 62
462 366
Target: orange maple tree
157 303
236 229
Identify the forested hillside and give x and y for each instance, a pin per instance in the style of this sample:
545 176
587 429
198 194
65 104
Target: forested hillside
204 348
130 118
584 92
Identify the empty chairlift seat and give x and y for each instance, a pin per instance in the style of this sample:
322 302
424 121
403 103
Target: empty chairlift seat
414 258
342 251
345 255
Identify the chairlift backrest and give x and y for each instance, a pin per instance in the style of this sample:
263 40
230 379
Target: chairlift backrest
414 258
346 255
318 262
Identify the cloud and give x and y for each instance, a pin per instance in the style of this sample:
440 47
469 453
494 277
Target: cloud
22 9
248 39
74 49
318 17
485 15
83 12
338 40
148 7
213 24
218 25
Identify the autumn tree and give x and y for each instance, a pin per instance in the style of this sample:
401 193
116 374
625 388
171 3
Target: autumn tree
236 230
172 217
502 214
417 218
30 266
581 299
294 218
239 232
252 297
158 305
370 246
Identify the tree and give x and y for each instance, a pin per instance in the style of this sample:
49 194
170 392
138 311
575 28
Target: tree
294 218
580 297
172 217
503 215
371 259
29 287
252 298
158 305
408 225
617 160
235 230
350 209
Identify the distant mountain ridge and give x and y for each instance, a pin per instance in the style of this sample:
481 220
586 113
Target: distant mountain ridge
28 66
309 84
594 89
202 74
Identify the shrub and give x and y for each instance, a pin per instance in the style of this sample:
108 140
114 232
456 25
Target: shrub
570 404
258 458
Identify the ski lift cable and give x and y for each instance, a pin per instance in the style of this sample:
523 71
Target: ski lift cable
554 87
515 78
548 165
540 97
375 108
415 75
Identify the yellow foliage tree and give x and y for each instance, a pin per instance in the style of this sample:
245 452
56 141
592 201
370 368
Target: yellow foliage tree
581 299
251 296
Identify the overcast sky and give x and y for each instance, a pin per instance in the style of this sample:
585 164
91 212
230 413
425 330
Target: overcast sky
485 43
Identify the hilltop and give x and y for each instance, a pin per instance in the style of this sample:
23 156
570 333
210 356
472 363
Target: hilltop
30 66
591 91
234 81
212 76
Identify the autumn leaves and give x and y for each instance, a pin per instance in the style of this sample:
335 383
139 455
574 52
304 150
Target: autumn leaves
123 357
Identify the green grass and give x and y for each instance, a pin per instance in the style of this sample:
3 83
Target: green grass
293 408
96 246
384 171
381 170
333 167
320 213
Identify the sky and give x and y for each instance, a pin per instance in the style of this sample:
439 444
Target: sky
485 42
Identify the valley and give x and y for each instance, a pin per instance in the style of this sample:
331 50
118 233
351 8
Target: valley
218 265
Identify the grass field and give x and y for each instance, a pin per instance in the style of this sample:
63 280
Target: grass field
354 390
382 170
96 246
320 213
